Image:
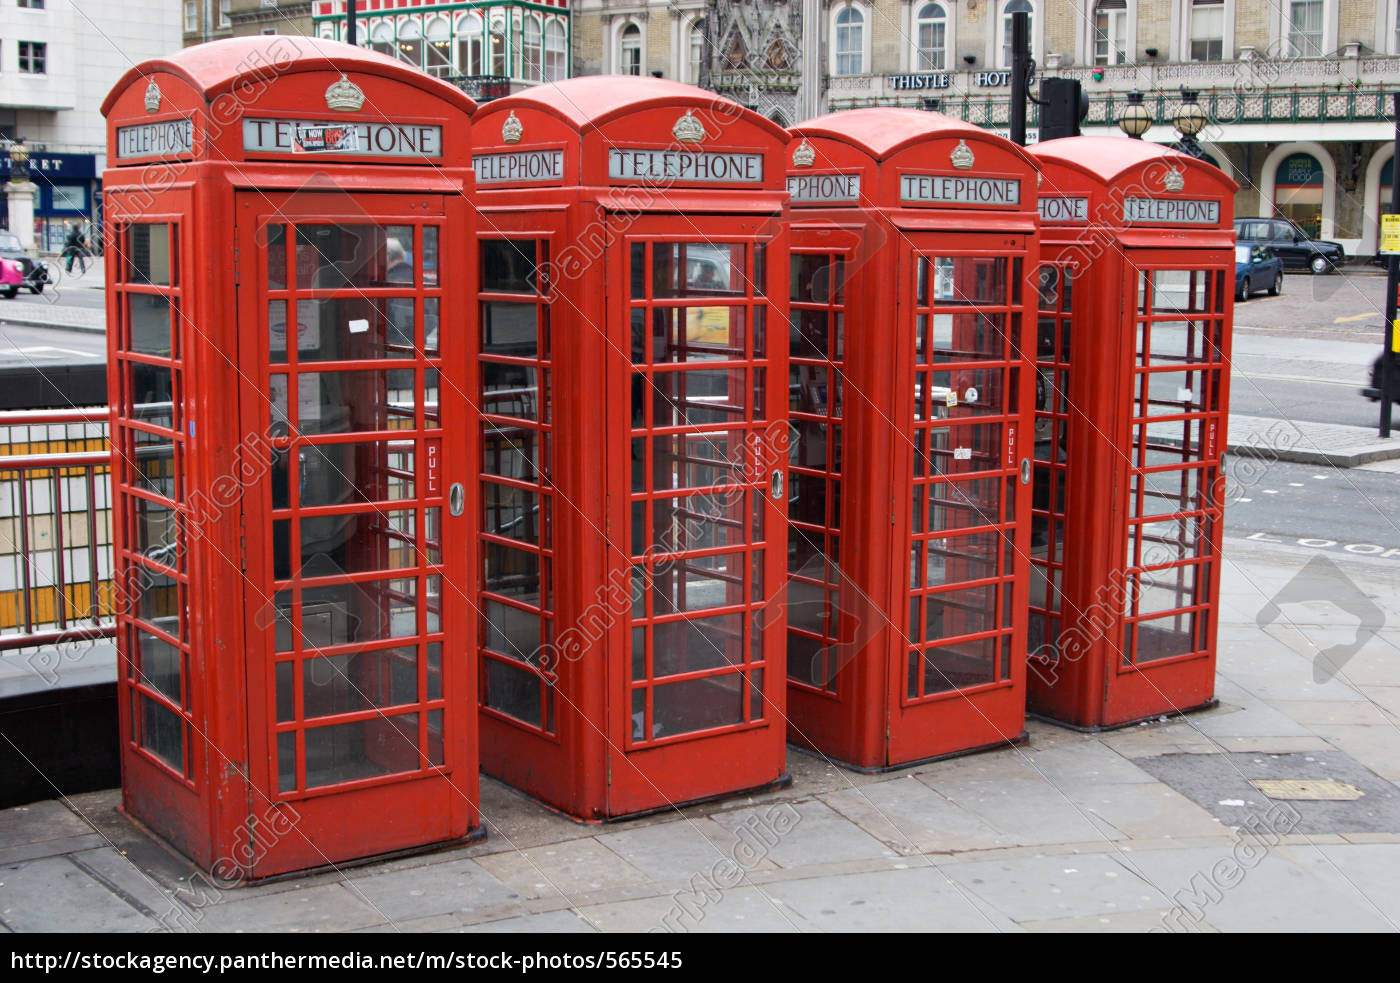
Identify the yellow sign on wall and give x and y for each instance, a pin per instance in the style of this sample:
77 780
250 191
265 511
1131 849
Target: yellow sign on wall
1390 234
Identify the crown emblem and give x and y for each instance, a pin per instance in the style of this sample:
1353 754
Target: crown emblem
962 156
511 129
152 97
344 96
1173 180
688 129
804 155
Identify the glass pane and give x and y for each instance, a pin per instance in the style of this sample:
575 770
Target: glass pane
276 237
1162 638
513 690
162 733
691 460
693 584
812 278
960 665
155 599
512 573
509 329
152 394
430 256
511 512
691 269
149 318
509 266
344 402
693 522
510 452
967 611
510 390
961 504
697 704
961 558
695 644
698 397
334 684
697 334
968 336
158 664
156 532
509 630
339 614
347 328
353 257
149 254
357 542
364 471
364 749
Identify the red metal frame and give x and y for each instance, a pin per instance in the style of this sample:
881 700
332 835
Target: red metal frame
278 710
662 410
1134 347
917 568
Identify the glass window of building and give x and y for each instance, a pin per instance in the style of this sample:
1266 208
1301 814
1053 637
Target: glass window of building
411 43
1207 30
631 61
439 49
499 60
696 53
932 33
1305 28
469 44
534 48
191 16
381 39
1111 32
556 58
850 42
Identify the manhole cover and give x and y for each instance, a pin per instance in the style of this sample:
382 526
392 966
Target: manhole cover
1312 789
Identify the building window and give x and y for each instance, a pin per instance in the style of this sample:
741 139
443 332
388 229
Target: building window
850 42
36 4
1015 7
631 62
381 39
556 52
696 53
534 49
469 44
225 13
439 47
191 16
31 57
1207 30
411 44
931 31
499 66
1305 28
1111 32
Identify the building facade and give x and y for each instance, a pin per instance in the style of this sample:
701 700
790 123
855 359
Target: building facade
489 48
58 60
1298 92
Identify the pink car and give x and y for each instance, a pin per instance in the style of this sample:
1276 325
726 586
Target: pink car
11 277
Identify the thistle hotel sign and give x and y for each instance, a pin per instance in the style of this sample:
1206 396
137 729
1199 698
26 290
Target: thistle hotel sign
948 190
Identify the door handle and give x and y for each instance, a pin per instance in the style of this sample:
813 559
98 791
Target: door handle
777 487
1025 471
456 498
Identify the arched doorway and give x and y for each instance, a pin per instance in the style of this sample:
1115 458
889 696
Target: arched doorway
1298 187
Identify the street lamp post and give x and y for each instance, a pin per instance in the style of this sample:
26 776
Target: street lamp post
20 191
1135 120
1190 119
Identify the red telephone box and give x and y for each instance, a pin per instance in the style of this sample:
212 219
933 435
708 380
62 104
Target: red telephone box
633 291
1136 293
914 254
284 218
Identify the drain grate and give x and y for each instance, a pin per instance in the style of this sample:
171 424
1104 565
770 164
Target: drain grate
1311 789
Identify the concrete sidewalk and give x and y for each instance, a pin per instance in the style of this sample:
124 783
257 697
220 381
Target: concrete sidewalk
1152 827
1305 442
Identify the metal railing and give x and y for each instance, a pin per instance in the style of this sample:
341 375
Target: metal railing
55 528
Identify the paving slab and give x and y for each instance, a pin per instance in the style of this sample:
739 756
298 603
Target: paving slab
1118 922
323 908
545 922
917 899
1146 811
1272 895
40 822
1067 886
55 895
1336 712
566 871
431 889
819 835
1087 760
1376 747
1332 444
678 850
1369 872
136 887
1220 784
1028 812
740 909
910 817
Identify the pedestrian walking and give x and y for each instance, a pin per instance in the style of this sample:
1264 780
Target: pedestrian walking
75 247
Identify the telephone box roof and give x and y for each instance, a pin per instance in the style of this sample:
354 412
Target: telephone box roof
1108 158
591 100
882 132
218 66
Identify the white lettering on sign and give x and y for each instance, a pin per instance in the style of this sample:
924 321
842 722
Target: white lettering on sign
959 190
1171 211
287 136
519 165
662 166
1057 208
164 139
807 189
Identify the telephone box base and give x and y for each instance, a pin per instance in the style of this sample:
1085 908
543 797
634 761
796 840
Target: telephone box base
1101 728
782 781
1017 741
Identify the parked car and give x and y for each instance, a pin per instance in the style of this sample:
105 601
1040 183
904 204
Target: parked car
36 274
1257 268
11 278
1292 244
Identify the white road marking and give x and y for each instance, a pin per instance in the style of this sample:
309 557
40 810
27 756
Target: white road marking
1270 491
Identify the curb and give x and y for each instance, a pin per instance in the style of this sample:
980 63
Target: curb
1335 459
30 322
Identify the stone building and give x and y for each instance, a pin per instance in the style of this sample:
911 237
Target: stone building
1298 92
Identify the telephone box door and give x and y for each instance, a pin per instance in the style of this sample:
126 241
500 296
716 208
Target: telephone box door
1173 430
966 565
697 360
361 714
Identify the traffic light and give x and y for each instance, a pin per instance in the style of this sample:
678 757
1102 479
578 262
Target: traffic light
1063 105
